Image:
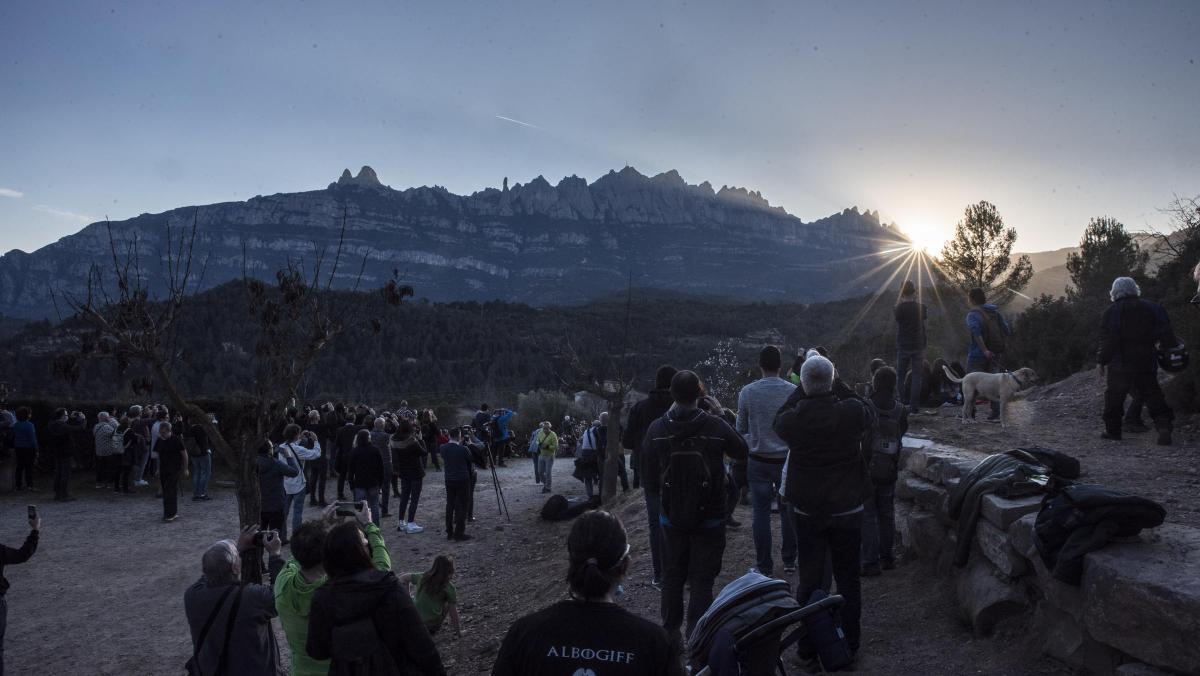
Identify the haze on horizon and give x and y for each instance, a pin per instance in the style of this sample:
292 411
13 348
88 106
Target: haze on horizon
1054 113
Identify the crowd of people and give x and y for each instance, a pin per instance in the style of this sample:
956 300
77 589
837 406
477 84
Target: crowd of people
801 443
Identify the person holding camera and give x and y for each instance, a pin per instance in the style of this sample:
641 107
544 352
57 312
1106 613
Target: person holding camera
305 573
273 468
9 557
230 621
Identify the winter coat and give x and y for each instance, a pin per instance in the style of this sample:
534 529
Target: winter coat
406 457
103 434
910 326
1129 329
1004 474
271 473
378 597
826 468
365 467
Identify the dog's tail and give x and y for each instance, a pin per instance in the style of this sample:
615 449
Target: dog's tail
950 374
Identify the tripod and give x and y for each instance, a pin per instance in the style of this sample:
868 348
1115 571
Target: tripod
501 503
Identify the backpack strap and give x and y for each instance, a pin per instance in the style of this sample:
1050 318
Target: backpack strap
208 624
224 658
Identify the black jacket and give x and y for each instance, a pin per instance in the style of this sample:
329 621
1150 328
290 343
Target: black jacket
60 436
641 415
1129 329
910 326
719 439
826 469
343 438
365 468
406 457
10 556
376 595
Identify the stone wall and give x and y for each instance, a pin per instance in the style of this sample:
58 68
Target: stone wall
1137 611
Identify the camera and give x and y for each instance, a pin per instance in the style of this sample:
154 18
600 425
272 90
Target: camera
260 537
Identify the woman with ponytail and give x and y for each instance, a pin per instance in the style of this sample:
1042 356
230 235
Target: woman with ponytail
589 632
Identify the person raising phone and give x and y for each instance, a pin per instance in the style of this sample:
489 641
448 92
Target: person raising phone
8 557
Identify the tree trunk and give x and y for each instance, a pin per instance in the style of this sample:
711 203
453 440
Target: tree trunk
612 450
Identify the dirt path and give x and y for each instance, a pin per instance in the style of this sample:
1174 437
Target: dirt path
104 594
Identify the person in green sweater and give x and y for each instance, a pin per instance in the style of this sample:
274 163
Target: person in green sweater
547 443
434 595
304 573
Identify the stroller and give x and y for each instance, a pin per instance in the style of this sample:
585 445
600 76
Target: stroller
745 630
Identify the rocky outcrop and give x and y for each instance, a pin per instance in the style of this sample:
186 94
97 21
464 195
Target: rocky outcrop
538 243
1137 611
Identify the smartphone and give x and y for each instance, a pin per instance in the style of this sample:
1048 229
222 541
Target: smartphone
32 512
260 538
347 508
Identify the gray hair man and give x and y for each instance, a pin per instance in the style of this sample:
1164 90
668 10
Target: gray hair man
211 602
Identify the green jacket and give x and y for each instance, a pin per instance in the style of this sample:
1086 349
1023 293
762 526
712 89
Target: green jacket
547 443
293 598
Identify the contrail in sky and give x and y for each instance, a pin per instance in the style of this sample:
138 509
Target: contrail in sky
523 124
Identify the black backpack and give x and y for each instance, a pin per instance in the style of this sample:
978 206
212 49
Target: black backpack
690 489
357 647
885 445
993 334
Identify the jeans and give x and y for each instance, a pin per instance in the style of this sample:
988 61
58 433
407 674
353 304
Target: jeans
692 556
62 477
1144 383
385 497
170 492
25 461
371 495
537 469
765 479
654 534
546 465
916 361
103 469
984 365
879 525
839 537
456 507
3 629
201 471
295 505
410 492
589 486
140 463
121 477
635 466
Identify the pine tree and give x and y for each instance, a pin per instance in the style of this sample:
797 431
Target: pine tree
1107 251
980 255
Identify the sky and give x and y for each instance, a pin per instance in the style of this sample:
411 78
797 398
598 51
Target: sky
1055 112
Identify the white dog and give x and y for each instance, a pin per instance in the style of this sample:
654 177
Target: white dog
1001 387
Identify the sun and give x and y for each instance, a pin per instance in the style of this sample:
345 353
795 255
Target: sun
925 238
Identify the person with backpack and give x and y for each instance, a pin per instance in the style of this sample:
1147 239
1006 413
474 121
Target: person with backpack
910 345
301 576
589 633
883 446
685 454
230 620
361 619
434 595
498 429
643 413
757 404
989 332
1131 331
587 459
547 444
824 479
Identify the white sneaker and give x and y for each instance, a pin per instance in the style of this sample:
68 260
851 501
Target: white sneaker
414 528
141 482
403 527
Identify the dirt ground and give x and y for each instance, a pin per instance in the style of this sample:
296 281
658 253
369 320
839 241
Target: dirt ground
104 593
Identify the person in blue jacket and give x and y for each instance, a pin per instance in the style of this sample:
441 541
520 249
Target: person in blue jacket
989 331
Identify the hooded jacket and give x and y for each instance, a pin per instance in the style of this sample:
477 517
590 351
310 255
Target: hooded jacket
293 602
406 457
717 439
376 595
826 468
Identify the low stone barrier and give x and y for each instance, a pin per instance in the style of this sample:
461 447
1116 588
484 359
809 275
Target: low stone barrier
1136 613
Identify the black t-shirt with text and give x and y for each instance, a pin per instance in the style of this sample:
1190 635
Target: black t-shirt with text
579 637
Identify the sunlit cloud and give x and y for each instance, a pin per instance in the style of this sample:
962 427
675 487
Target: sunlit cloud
9 192
63 213
523 124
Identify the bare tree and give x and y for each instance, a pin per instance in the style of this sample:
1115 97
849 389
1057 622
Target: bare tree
295 318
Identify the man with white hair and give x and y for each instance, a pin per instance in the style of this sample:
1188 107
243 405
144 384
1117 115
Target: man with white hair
824 479
102 433
230 622
1130 329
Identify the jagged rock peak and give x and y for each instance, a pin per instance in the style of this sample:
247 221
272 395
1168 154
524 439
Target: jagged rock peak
366 178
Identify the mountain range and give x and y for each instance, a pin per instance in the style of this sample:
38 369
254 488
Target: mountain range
535 243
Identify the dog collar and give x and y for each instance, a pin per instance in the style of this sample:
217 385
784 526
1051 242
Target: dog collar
1017 380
